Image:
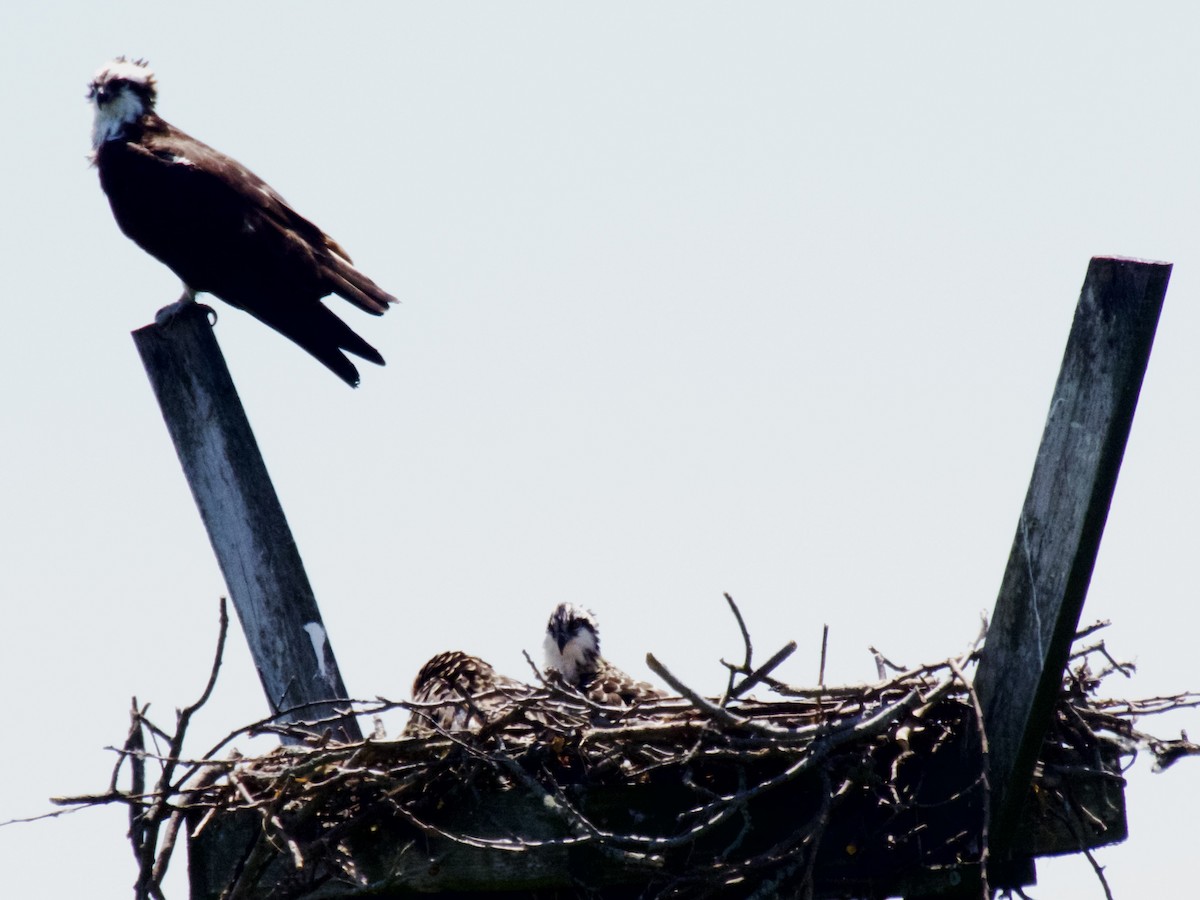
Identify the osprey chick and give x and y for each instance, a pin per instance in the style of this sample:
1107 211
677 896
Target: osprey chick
572 648
467 691
221 228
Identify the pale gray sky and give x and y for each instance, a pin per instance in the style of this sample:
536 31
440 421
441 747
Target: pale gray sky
764 299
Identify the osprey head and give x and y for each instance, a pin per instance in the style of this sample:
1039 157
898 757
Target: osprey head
121 92
572 643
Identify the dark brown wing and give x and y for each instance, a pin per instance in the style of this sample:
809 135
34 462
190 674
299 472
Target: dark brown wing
225 231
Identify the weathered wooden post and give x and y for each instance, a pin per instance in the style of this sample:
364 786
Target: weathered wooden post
1058 534
245 523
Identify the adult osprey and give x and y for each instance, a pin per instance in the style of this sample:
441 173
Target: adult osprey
221 228
572 648
455 691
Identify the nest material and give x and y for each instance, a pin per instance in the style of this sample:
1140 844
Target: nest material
885 778
829 791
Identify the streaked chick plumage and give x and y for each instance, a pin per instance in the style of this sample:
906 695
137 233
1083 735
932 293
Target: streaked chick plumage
572 647
461 692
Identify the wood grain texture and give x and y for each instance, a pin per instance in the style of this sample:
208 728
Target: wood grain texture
245 522
1062 520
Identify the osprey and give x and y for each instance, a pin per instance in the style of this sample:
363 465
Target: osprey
455 691
221 228
572 648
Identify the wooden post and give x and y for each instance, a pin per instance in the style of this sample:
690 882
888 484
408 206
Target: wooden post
245 523
1058 534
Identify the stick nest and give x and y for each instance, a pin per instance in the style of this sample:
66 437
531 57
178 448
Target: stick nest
855 787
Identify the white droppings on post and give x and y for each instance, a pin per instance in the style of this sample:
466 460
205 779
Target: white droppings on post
316 634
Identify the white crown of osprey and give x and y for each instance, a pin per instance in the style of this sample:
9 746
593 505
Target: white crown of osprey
137 73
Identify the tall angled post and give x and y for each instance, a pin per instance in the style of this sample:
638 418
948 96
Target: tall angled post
245 522
1058 533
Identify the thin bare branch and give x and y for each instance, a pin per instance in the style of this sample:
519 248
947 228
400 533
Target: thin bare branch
737 614
824 650
760 674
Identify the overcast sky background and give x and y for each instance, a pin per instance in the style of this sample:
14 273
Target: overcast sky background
767 299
